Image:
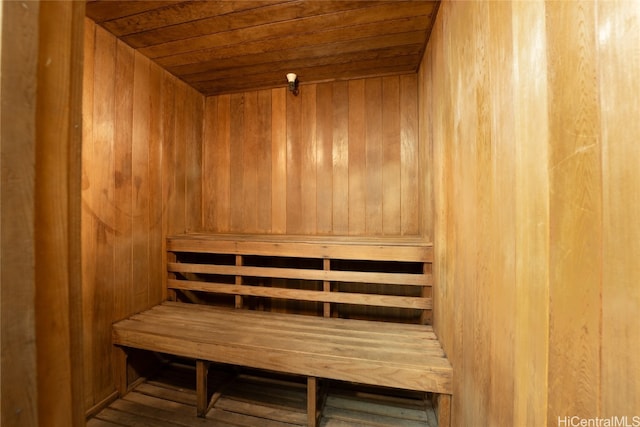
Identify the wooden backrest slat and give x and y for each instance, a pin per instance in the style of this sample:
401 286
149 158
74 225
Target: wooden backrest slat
304 274
351 271
394 301
353 249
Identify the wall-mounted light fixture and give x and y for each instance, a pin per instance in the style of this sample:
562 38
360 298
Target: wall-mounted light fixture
292 78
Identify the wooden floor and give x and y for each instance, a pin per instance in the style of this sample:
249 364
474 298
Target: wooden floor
252 399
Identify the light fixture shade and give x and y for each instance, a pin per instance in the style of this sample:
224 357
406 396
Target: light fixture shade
291 77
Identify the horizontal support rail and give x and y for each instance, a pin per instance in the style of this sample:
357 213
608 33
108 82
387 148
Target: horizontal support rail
419 279
354 249
395 301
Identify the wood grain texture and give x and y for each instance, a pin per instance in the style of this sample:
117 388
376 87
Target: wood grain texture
315 163
142 162
547 315
503 213
18 365
57 214
575 204
309 345
207 44
40 137
618 25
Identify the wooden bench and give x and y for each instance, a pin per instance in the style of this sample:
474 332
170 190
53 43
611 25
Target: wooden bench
280 303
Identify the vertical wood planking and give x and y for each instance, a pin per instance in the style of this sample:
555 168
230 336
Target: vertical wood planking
216 170
156 205
140 183
278 161
264 151
308 160
236 162
298 176
250 146
40 139
340 158
500 412
324 158
486 205
88 220
357 158
18 364
211 172
177 208
168 142
619 74
532 216
141 155
193 161
294 162
123 273
102 184
575 211
409 155
391 156
373 156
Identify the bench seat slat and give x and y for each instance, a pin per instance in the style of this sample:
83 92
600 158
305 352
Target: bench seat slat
304 295
262 338
389 328
304 274
415 344
426 373
356 273
233 330
336 330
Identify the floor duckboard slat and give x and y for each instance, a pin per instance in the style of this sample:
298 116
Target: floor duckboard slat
250 398
95 422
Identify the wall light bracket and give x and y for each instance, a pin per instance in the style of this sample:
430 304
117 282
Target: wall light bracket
292 78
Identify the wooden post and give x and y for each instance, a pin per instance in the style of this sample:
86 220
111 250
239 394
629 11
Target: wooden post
326 287
238 281
426 317
170 293
120 370
202 401
443 410
312 401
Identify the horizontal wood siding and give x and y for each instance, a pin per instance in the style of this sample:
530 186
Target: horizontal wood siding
140 181
341 158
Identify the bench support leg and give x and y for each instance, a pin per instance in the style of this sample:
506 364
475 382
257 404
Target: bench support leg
312 401
202 402
120 370
444 410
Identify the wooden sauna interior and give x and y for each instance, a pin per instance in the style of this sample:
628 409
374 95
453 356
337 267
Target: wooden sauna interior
507 136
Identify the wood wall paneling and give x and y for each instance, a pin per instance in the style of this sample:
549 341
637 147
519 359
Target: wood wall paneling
340 216
532 216
502 211
58 304
528 109
324 158
341 158
19 382
618 71
40 137
142 173
575 179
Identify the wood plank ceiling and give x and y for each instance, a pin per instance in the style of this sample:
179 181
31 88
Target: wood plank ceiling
231 46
